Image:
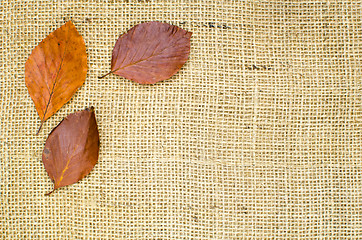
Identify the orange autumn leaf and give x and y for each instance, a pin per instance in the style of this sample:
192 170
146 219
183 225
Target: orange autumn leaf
150 52
56 68
72 148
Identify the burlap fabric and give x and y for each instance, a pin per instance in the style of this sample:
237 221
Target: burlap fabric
258 136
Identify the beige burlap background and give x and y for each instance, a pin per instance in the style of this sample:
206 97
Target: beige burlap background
258 136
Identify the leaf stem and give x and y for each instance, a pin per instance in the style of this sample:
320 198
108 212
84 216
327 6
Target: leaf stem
105 75
47 194
41 124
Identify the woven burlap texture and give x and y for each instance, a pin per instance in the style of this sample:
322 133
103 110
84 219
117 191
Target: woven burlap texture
257 136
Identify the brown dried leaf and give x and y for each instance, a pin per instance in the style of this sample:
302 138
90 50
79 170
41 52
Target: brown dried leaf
71 150
150 52
56 68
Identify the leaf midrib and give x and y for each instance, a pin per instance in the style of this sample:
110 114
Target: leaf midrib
66 167
56 77
142 60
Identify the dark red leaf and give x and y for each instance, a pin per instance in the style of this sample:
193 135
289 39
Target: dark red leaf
150 52
71 150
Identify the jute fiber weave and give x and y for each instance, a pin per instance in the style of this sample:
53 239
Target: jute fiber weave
258 136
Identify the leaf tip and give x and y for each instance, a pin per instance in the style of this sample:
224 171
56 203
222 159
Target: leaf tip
90 109
69 22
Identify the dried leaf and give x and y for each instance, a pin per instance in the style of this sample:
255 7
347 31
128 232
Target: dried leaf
56 68
71 150
150 52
